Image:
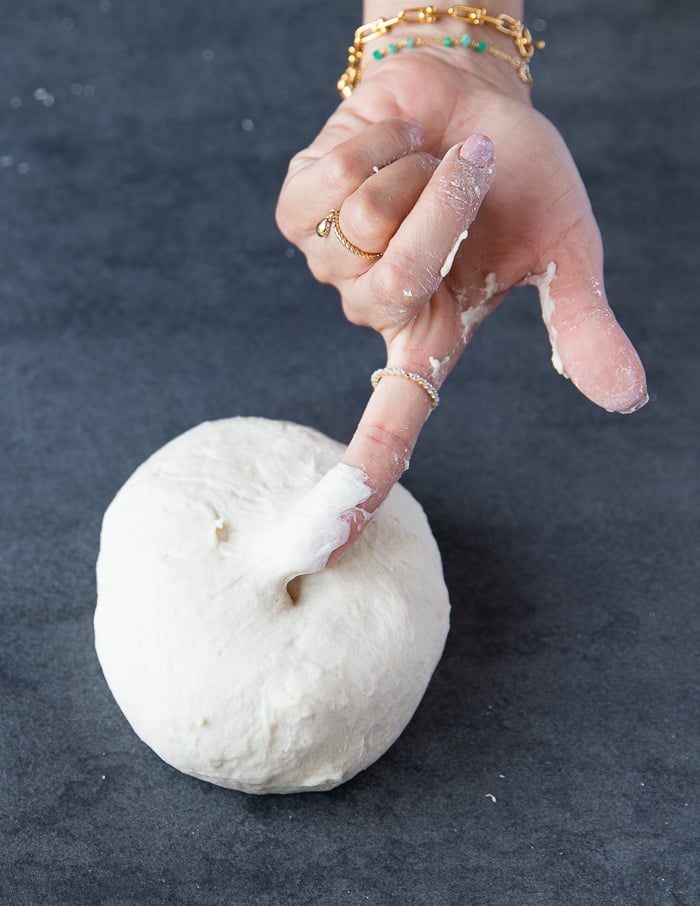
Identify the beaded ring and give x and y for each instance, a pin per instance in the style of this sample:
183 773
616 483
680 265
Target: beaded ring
432 392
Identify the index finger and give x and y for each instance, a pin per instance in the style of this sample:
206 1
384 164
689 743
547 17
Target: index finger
382 446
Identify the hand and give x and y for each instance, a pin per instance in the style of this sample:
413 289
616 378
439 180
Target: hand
411 190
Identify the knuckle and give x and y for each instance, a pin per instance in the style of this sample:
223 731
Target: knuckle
342 169
398 289
364 217
390 283
287 221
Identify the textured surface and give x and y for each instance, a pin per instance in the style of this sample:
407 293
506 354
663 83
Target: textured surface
144 288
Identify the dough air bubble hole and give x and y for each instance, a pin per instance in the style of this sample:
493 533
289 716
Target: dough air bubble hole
221 530
294 589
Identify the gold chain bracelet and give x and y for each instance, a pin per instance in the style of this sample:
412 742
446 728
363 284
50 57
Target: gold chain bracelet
428 15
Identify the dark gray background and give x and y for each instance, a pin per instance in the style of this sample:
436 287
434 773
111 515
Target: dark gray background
145 288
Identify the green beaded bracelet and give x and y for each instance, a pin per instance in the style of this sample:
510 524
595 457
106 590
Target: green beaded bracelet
466 41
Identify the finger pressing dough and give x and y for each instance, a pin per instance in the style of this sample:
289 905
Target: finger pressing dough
226 660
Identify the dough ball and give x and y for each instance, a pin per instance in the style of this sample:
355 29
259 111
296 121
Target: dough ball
228 664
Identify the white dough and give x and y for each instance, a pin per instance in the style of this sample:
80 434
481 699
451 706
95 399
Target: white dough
450 260
212 662
543 282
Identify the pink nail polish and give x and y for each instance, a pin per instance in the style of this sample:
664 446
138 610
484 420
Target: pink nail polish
478 150
417 133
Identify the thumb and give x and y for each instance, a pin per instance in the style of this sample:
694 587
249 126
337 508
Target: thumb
588 344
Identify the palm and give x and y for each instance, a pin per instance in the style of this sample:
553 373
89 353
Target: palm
537 196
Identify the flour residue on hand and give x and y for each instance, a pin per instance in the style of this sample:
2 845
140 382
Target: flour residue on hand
543 283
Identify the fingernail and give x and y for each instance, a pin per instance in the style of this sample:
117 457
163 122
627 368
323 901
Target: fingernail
417 133
640 405
477 149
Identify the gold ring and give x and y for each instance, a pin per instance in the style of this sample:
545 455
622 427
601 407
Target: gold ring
323 228
433 395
